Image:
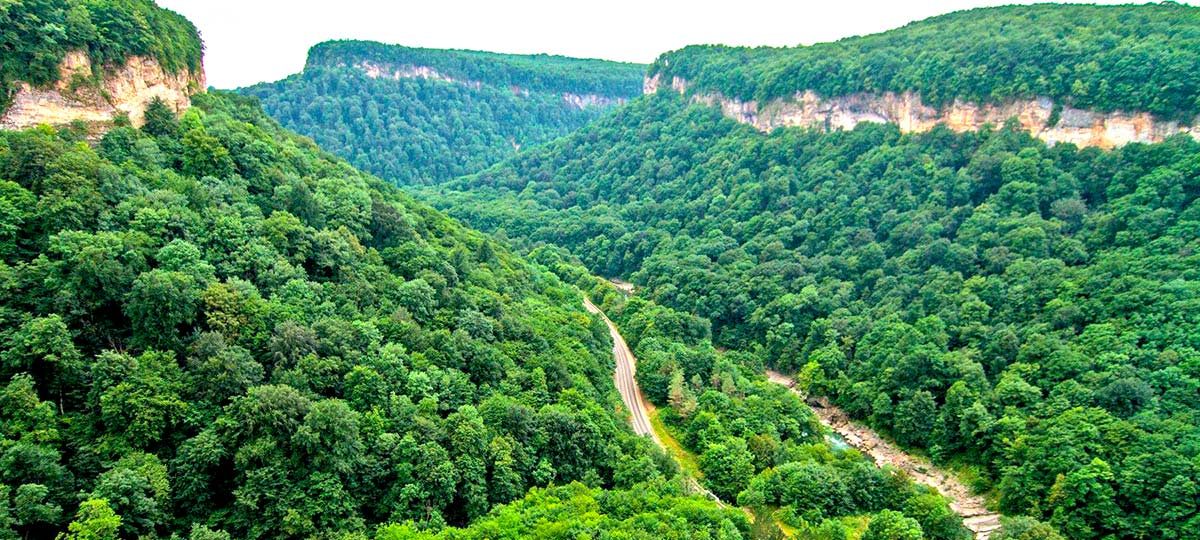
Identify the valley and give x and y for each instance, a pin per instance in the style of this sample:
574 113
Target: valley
362 302
972 508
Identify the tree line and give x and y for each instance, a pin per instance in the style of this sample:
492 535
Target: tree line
543 73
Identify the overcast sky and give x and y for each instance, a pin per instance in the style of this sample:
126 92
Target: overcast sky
249 41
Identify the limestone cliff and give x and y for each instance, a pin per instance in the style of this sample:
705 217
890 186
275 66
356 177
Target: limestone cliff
378 71
583 101
806 109
385 71
77 96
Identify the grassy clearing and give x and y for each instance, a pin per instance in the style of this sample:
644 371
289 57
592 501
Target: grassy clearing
686 460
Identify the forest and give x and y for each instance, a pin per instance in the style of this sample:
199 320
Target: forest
212 328
423 131
1022 312
1134 58
35 35
534 72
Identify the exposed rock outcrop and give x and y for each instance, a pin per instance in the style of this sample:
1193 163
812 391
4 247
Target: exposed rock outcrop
77 95
386 71
807 109
583 101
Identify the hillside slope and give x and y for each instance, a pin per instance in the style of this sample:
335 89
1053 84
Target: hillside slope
419 116
209 323
1025 309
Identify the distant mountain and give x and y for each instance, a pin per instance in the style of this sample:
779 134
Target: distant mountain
420 116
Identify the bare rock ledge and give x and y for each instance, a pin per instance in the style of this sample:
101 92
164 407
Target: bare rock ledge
127 89
806 109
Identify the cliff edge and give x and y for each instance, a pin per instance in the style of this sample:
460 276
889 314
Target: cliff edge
1041 117
79 95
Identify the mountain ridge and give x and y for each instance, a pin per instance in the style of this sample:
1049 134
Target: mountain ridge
422 116
1134 58
534 72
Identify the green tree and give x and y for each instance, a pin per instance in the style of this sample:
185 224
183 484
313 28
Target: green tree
95 520
160 120
43 346
727 467
914 419
890 525
1025 528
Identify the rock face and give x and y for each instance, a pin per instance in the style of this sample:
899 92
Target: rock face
807 109
583 101
76 96
384 71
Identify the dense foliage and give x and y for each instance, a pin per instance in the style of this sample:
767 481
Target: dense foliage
209 325
575 511
417 130
755 443
1132 58
533 72
36 34
1030 310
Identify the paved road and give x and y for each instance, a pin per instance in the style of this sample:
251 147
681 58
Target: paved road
631 394
623 376
970 507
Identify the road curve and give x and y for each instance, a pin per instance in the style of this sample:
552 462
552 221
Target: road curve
631 395
623 376
972 508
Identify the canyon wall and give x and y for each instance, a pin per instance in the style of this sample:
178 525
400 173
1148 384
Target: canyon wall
77 96
384 71
377 71
906 110
583 101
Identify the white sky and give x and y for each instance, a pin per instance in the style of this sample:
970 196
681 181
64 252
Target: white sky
249 41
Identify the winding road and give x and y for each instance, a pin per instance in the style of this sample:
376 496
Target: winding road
631 395
623 376
976 517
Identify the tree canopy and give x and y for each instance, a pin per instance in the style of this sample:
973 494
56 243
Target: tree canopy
1136 58
1027 311
210 325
